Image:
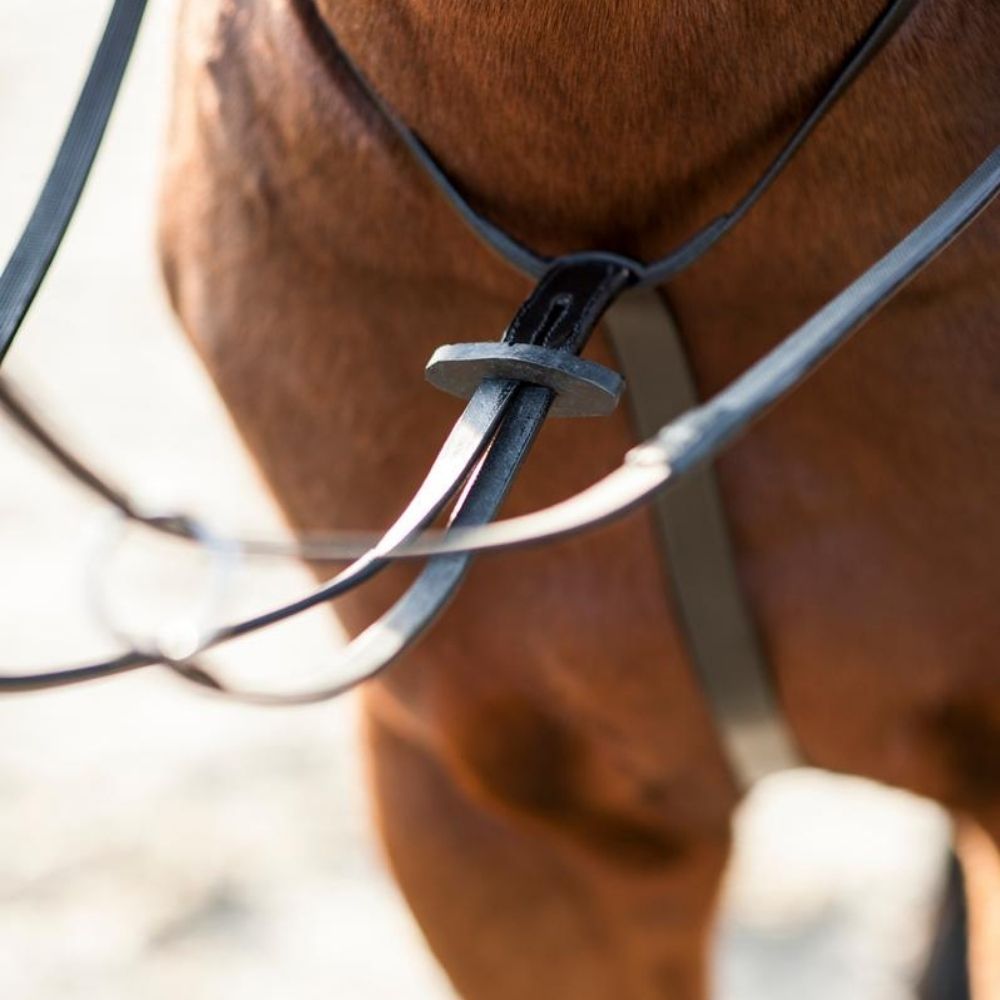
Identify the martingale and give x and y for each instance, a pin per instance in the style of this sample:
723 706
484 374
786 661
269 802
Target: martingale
511 386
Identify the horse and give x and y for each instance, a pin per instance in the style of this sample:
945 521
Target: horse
547 778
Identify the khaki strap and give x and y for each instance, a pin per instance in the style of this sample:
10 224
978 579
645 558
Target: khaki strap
691 522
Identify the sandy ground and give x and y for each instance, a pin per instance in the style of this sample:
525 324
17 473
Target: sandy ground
156 843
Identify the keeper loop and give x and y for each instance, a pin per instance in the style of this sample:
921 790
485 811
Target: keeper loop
582 388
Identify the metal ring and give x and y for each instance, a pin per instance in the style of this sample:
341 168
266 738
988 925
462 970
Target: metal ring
180 641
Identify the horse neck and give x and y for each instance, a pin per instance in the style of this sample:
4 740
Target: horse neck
578 122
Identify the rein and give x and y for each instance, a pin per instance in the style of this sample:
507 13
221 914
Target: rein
512 386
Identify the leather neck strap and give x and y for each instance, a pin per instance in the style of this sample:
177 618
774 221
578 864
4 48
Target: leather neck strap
645 273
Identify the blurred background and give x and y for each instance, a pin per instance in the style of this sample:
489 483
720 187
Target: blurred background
156 843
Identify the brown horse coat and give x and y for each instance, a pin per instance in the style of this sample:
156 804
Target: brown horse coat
551 790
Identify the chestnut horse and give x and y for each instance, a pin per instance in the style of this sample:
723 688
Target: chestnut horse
550 788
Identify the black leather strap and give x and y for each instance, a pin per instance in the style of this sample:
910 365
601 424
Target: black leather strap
695 437
645 273
700 434
26 269
559 315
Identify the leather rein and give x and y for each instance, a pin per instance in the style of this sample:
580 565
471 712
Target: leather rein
512 386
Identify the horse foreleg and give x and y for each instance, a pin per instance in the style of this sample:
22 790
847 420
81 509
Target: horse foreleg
979 853
521 901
